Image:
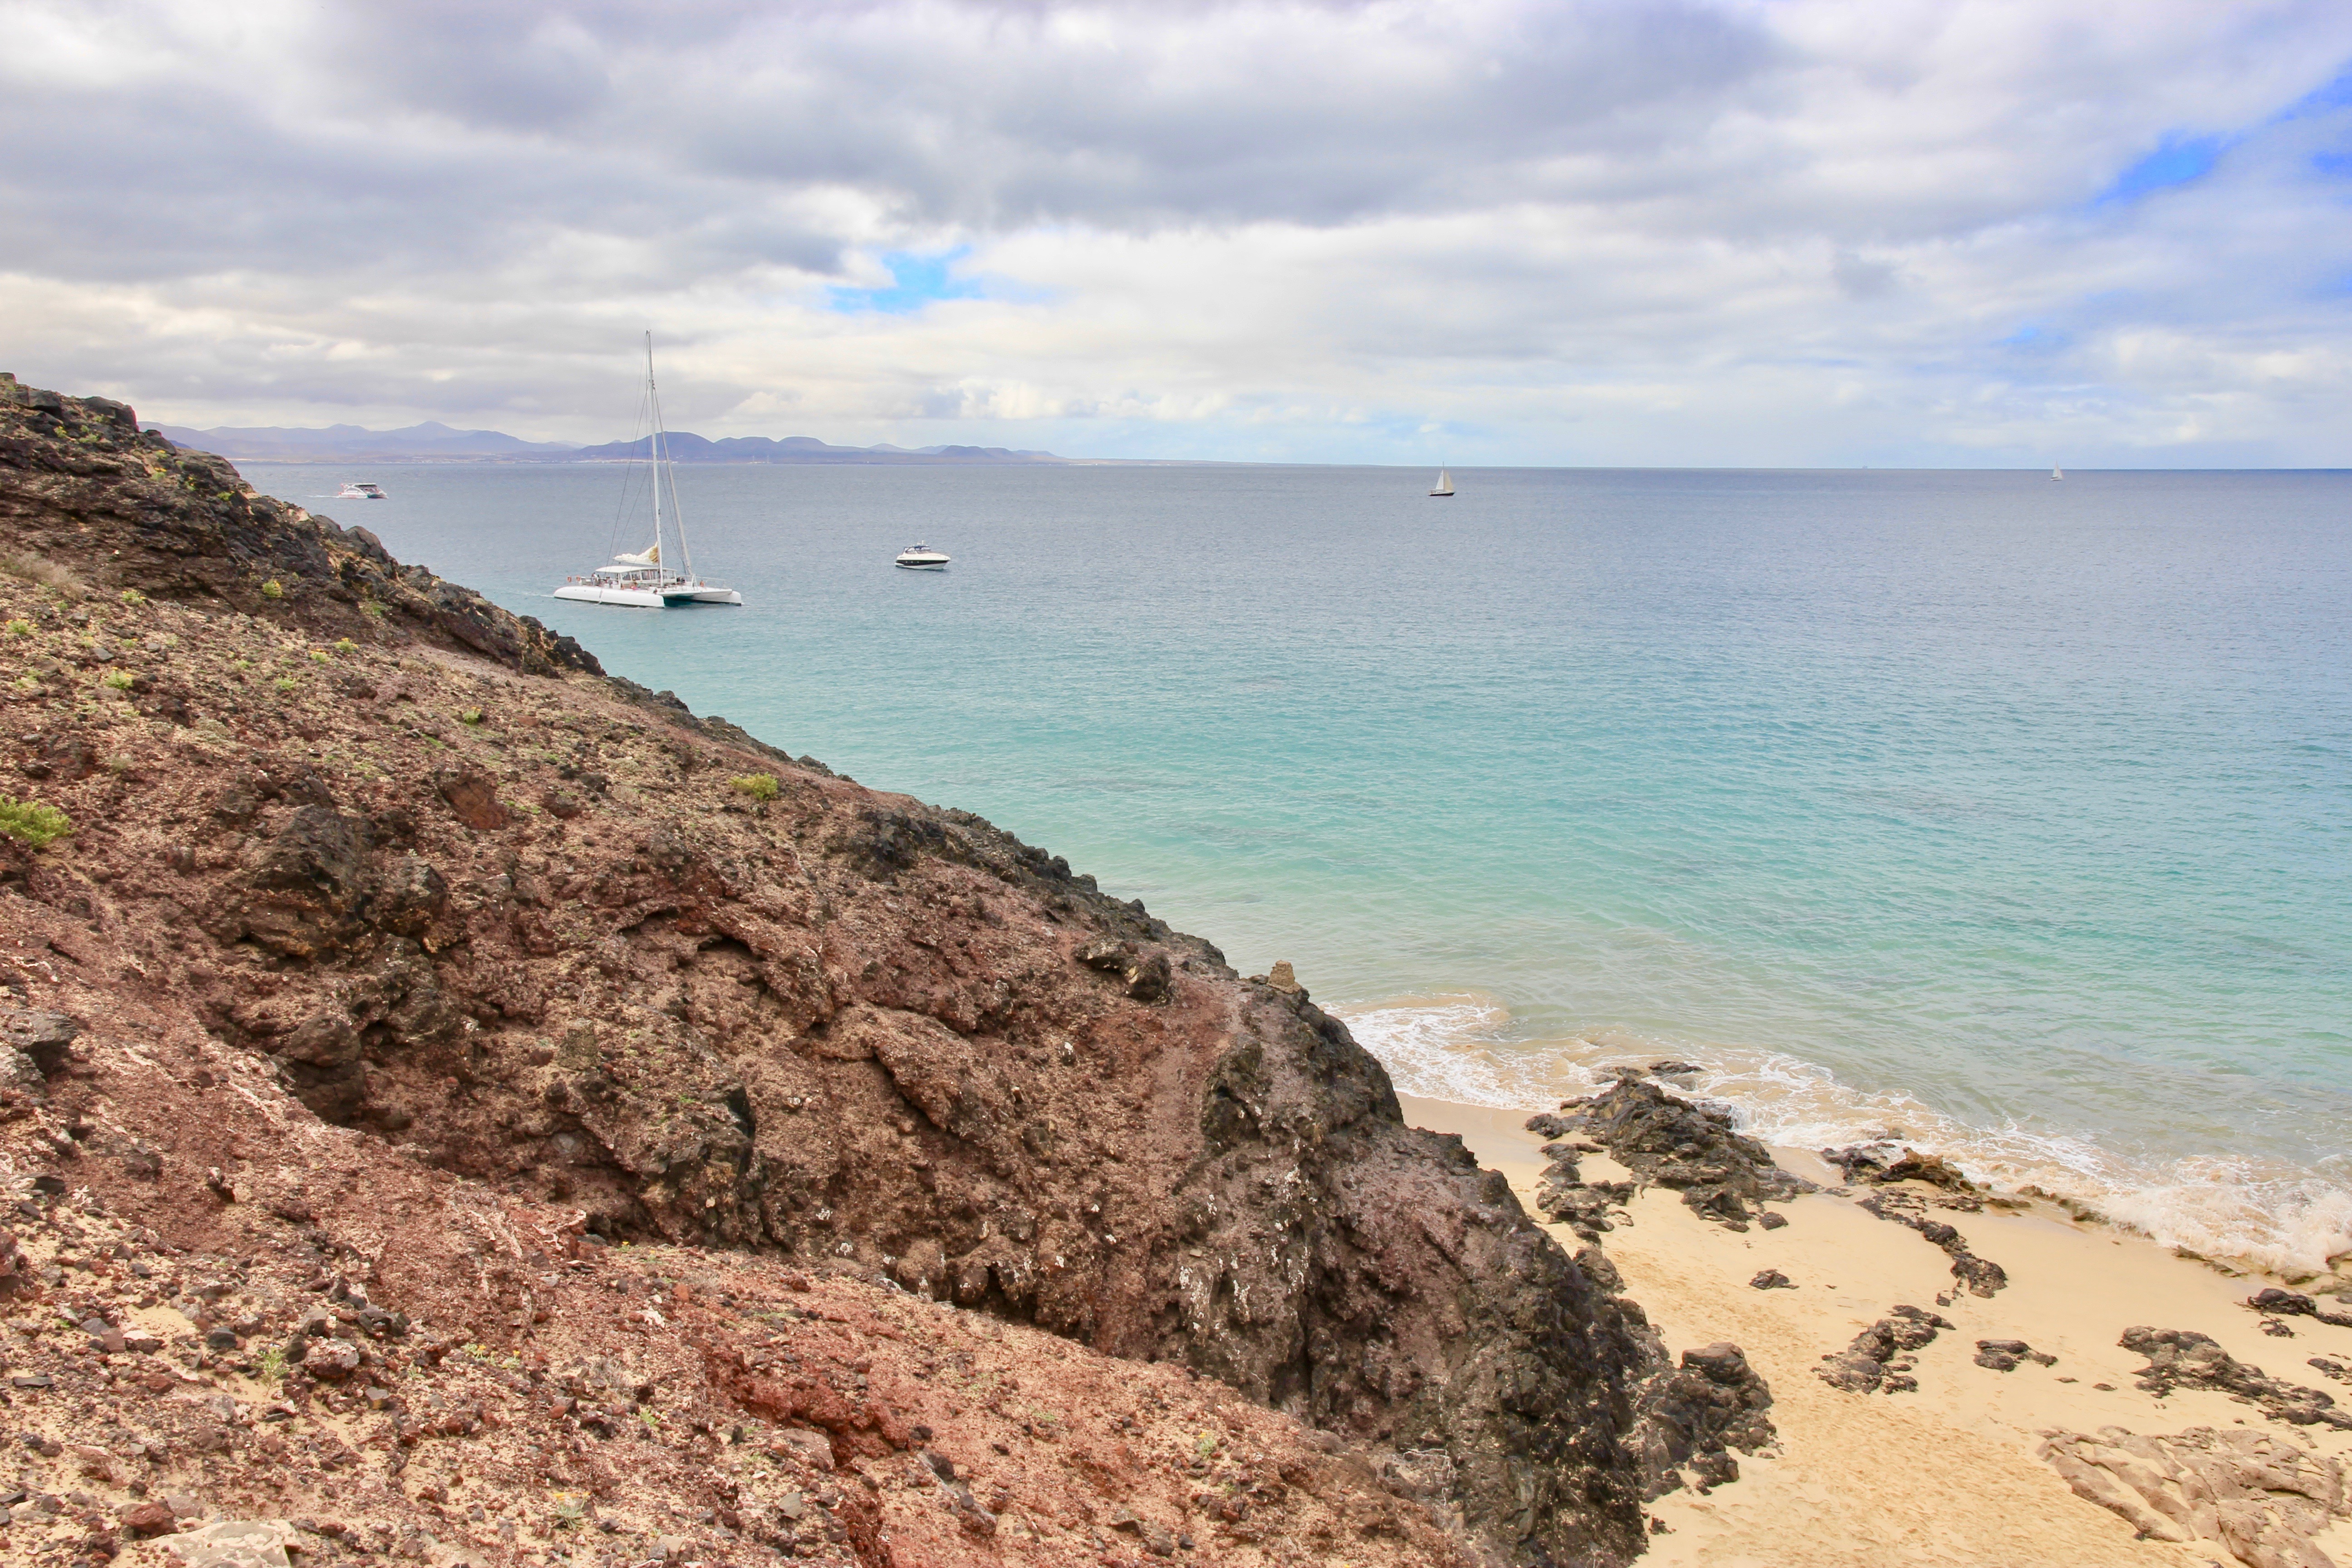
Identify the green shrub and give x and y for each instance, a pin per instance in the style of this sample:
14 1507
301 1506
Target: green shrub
470 716
322 656
273 589
118 679
287 683
759 786
133 597
32 821
345 646
20 627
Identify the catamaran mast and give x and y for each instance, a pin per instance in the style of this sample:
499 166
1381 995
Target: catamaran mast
662 465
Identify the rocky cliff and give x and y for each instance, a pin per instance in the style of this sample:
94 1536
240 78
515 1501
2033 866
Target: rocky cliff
396 956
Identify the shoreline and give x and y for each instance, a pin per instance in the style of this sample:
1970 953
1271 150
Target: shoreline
1950 1473
2288 1221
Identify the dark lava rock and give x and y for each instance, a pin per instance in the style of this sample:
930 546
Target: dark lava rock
2182 1358
1980 1274
1771 1280
1693 1415
1668 1141
46 1037
1864 1366
1874 1165
2006 1355
2295 1304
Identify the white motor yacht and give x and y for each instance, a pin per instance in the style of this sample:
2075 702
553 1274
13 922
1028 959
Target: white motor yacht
351 492
922 558
645 580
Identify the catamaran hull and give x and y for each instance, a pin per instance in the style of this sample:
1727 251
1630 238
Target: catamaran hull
647 599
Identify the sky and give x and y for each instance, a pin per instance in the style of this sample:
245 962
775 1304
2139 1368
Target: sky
1778 233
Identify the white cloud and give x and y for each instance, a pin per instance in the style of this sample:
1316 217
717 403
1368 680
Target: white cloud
1802 231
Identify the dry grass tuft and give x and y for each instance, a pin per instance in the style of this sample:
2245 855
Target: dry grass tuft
40 570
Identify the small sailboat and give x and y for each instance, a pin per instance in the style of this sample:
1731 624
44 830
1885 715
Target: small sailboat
2056 473
1445 486
922 558
643 580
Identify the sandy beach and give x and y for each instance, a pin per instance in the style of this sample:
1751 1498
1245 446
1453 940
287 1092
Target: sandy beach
1948 1473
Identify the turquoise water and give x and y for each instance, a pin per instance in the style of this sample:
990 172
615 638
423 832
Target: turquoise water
2009 816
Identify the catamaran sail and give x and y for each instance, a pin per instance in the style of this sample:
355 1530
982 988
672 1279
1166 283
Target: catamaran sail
642 579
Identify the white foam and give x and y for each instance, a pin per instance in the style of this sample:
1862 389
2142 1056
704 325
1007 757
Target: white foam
1458 1048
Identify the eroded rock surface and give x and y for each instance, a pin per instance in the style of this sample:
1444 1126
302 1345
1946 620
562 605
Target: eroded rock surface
2260 1497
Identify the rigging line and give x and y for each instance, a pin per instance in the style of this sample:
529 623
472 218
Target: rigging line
669 466
628 480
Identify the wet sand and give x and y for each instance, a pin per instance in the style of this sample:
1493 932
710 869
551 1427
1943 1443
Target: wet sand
1947 1475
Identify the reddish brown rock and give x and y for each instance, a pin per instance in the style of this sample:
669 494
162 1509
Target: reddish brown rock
668 1119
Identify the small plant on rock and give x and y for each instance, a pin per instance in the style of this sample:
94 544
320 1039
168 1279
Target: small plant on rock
345 646
759 786
287 683
118 679
320 655
20 627
273 589
470 716
33 823
133 597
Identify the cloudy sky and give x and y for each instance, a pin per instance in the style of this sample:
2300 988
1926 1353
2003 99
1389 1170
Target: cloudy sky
1775 232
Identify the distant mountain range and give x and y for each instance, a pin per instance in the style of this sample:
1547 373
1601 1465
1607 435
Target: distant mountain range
436 442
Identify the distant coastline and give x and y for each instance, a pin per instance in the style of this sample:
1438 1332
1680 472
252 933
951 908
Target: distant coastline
436 442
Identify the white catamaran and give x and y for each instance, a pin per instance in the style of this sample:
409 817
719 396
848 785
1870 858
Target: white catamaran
644 580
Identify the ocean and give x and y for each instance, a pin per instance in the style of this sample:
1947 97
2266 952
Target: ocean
2007 817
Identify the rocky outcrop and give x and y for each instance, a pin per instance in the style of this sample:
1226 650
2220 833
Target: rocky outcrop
2260 1497
2274 1303
2182 1358
84 490
1693 1417
365 844
1978 1275
1880 1356
1667 1141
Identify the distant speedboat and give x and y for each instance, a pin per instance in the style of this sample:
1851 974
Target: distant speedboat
2056 472
644 581
1445 486
360 492
921 558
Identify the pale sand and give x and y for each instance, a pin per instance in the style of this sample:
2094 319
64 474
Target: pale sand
1947 1475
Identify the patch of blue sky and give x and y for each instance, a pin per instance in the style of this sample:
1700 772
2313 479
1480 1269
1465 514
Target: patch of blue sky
2037 338
916 280
2178 159
2336 94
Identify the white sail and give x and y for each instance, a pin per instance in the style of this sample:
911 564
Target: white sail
1445 486
2056 472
